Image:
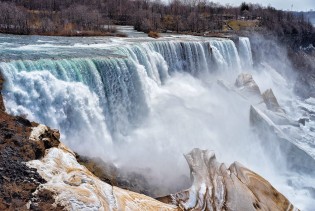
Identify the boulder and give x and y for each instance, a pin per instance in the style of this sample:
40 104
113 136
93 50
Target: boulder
246 83
248 89
216 187
271 101
303 121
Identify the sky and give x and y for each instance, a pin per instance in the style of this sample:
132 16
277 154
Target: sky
298 5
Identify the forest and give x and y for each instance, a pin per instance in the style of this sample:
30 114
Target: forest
98 17
195 17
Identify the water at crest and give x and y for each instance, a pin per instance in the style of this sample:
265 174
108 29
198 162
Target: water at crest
116 88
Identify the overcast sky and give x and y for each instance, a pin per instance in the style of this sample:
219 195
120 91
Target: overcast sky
298 5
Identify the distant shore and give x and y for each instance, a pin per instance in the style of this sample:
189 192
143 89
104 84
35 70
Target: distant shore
71 34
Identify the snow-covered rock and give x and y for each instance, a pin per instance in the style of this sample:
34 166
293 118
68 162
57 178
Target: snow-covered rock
276 138
75 188
271 101
216 187
246 84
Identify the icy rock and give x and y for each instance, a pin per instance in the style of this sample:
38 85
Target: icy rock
76 188
216 187
275 139
280 118
37 132
246 83
271 101
303 121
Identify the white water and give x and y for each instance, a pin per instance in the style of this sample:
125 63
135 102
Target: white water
145 104
119 83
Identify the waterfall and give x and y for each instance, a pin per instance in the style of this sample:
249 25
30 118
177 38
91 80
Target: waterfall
245 52
107 96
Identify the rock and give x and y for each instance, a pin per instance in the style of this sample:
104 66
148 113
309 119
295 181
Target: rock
37 132
246 83
275 139
271 101
248 89
105 171
75 188
123 177
56 134
23 121
303 121
17 180
280 118
216 187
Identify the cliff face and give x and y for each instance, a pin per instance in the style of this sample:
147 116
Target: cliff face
37 172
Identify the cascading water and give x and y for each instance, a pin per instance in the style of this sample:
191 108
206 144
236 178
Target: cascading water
146 103
118 82
245 52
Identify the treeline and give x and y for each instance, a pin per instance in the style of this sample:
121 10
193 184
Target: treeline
47 17
291 28
181 16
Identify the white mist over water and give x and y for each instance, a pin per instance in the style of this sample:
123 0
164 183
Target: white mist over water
152 102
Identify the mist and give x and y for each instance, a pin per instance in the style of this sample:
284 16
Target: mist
189 112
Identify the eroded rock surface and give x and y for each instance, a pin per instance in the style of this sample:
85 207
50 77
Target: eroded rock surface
76 188
17 180
216 187
271 101
276 139
246 83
